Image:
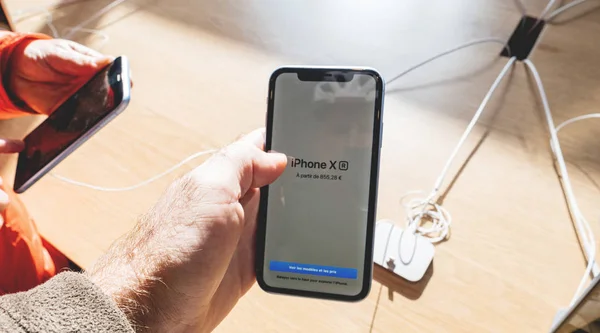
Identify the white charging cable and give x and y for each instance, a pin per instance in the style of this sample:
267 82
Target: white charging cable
583 227
449 51
141 184
564 8
576 119
69 32
546 10
520 7
21 15
94 17
423 211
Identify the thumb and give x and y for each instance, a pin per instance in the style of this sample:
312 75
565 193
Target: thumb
239 167
8 146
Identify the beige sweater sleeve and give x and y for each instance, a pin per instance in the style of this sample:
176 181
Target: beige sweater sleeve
69 302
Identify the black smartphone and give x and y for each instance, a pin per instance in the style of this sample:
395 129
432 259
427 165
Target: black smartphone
316 222
93 106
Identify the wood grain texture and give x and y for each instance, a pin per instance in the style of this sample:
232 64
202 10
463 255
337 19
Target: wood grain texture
201 71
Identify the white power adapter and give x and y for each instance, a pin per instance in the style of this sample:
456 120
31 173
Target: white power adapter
403 252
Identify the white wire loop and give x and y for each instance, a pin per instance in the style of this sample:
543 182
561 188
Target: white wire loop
583 226
138 185
425 215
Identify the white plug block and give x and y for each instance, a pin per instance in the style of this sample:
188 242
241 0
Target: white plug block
406 254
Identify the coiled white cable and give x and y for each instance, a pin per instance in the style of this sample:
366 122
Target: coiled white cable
583 226
420 211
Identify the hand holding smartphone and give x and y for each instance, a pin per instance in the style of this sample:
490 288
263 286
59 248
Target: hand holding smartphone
93 106
316 222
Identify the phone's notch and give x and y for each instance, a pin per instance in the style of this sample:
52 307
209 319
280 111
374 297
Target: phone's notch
328 76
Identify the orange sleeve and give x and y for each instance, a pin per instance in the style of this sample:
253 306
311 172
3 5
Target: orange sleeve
13 44
26 260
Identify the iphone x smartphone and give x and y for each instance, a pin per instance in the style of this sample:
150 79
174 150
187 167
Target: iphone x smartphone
92 107
316 222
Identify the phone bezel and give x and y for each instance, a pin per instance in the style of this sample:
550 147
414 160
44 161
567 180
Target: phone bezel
318 71
124 84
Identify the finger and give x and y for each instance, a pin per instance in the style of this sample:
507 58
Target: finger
8 146
84 50
240 167
4 199
256 137
71 62
256 168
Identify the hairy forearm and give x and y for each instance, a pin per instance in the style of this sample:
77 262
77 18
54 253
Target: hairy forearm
134 269
125 278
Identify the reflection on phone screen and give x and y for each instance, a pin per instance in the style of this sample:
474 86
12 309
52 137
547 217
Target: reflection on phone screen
83 110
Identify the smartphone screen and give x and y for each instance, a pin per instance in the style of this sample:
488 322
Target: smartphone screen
89 106
316 220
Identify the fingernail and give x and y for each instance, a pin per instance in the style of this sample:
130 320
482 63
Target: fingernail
4 201
276 152
11 146
281 154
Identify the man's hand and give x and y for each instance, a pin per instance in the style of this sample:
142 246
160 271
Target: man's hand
49 71
191 257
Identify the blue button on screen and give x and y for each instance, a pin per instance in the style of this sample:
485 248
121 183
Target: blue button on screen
337 272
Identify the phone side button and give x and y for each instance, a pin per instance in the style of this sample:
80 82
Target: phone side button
381 136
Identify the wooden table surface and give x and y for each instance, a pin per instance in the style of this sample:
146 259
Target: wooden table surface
201 71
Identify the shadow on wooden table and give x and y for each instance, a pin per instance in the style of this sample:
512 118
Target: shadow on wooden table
395 284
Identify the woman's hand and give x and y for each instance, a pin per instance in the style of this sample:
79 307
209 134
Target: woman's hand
191 257
50 70
8 146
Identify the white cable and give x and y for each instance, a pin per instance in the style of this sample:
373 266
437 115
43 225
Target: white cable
543 14
583 226
69 32
94 17
105 38
589 268
576 119
520 7
452 50
417 209
33 11
136 186
564 8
